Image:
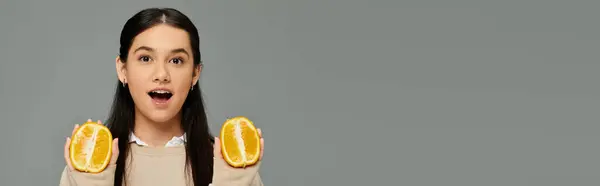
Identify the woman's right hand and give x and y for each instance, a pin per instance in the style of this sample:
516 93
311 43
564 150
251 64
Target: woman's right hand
73 177
113 158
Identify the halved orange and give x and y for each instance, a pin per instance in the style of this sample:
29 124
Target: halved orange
240 142
91 147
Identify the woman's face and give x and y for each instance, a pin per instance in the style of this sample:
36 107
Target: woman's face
159 72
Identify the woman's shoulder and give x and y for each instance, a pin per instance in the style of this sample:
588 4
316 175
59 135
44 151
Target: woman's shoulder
223 174
74 177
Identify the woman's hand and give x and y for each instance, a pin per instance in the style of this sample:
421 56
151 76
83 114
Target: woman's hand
73 177
113 158
227 175
219 156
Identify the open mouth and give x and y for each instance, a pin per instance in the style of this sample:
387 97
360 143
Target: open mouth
160 95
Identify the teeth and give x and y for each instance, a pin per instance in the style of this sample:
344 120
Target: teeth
161 91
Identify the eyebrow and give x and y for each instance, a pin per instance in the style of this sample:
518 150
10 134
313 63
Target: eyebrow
177 50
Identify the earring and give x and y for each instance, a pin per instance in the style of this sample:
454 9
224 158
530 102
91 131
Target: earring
124 83
192 87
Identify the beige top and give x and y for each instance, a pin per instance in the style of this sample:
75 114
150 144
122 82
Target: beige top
160 166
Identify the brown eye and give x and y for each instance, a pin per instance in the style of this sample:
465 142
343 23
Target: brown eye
177 60
144 58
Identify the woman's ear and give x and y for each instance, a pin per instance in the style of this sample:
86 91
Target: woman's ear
197 71
121 70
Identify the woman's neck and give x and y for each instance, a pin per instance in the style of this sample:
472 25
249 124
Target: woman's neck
156 134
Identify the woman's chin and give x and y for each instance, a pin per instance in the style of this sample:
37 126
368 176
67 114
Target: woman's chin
161 116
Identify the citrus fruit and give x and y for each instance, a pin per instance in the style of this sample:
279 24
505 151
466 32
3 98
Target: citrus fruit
240 142
91 147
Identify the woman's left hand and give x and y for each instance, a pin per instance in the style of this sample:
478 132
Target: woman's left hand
227 175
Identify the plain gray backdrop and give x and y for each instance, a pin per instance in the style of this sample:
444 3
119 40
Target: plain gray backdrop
347 92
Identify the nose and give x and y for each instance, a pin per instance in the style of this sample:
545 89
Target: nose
161 74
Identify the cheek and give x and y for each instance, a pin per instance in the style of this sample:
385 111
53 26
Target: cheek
184 83
137 82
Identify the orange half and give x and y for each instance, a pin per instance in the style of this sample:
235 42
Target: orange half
240 142
91 147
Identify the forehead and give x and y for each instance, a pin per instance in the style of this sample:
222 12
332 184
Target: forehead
162 38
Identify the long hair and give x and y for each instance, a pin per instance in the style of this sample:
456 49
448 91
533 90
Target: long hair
199 141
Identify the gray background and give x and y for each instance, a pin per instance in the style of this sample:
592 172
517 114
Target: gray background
347 92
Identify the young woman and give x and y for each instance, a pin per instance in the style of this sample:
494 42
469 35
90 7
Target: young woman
157 117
